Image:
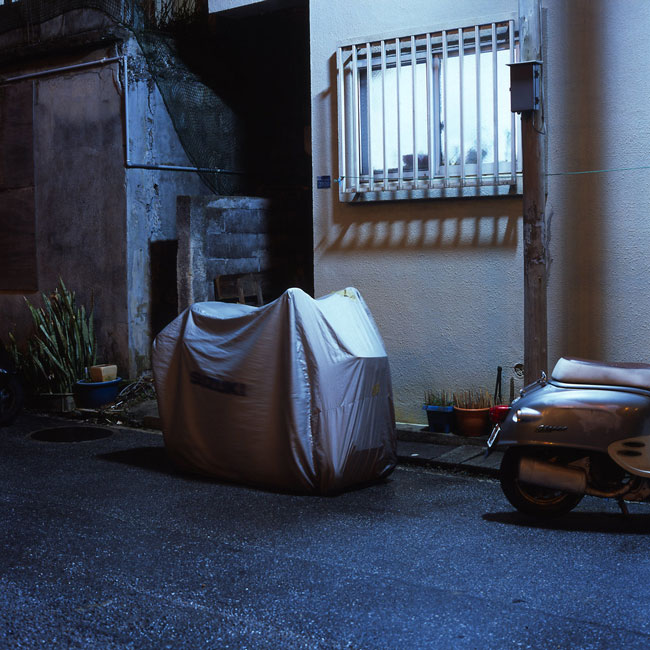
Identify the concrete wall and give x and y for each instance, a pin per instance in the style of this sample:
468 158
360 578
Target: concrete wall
151 215
444 278
220 236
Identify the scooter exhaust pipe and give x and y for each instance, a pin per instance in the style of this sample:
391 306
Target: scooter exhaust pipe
550 475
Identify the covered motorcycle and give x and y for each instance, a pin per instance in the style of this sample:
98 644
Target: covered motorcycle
294 395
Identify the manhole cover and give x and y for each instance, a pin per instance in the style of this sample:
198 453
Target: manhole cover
71 434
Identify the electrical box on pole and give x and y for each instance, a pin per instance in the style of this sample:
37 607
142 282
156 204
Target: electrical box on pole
525 78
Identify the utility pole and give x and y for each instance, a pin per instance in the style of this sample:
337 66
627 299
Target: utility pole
534 173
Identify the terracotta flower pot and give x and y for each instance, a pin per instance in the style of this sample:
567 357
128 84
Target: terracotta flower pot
471 422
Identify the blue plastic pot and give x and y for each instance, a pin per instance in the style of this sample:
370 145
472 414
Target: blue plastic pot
440 418
93 394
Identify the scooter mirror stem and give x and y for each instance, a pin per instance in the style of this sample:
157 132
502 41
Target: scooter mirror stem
542 381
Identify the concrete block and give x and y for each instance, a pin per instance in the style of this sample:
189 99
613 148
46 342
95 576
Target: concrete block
235 245
103 372
237 220
229 266
240 202
246 221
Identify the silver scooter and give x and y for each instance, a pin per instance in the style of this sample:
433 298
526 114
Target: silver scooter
586 430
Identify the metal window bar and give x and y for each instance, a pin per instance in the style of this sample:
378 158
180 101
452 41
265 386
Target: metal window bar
430 112
342 104
479 157
383 113
513 123
356 139
495 102
434 180
414 101
371 168
436 49
445 56
461 57
398 66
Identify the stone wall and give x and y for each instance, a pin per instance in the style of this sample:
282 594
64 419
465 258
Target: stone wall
220 236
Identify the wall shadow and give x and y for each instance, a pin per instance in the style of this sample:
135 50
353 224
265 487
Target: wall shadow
581 105
448 225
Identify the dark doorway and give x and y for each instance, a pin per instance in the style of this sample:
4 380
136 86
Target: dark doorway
164 295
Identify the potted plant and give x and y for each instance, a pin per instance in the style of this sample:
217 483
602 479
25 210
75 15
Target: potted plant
472 412
440 410
101 387
59 351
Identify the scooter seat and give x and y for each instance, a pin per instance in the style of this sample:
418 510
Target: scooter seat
583 371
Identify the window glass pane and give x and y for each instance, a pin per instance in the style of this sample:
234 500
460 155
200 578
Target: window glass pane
469 107
487 106
405 111
469 104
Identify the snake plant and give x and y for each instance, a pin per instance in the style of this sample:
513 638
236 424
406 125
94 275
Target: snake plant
62 345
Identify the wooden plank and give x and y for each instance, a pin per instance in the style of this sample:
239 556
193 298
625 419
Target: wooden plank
17 241
534 206
16 136
17 217
239 286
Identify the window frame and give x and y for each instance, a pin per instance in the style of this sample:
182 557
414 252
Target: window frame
357 59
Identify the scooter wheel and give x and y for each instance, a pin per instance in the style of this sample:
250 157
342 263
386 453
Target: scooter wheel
11 399
533 499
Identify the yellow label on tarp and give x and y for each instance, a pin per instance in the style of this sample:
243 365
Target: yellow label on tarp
346 294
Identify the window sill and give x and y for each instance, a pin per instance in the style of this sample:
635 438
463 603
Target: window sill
466 192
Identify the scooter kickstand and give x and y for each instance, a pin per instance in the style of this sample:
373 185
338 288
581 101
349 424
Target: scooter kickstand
623 506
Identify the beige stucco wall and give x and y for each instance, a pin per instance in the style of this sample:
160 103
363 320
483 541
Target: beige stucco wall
444 279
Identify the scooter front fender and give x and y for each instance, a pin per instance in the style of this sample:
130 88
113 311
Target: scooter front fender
577 416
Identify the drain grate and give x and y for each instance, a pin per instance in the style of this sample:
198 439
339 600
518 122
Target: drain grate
70 434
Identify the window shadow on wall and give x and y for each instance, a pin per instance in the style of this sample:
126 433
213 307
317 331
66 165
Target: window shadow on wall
448 225
472 223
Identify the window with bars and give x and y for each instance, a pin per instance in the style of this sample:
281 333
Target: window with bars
428 112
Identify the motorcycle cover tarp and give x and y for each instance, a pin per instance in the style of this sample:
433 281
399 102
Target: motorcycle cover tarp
294 395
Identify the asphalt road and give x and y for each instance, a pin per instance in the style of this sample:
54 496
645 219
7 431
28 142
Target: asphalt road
104 545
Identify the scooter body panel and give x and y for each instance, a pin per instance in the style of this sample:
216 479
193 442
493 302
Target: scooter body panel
576 416
632 454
